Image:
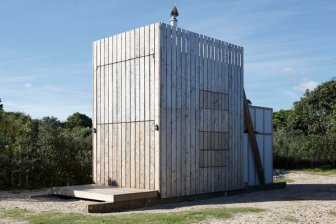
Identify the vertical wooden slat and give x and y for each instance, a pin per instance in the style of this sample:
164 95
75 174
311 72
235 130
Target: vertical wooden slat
110 111
128 155
187 114
137 106
106 156
142 42
147 109
123 47
123 109
178 115
152 155
114 112
102 111
157 90
201 117
169 110
128 120
142 152
132 155
106 111
152 109
137 154
193 50
241 114
235 93
229 178
146 154
196 120
119 117
98 153
94 114
183 112
142 107
173 112
132 111
163 105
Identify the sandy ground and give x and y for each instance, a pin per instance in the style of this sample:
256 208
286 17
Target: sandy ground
309 199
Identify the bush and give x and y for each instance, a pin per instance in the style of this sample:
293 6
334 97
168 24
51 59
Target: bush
43 153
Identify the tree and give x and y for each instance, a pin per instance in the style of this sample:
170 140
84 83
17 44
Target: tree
315 113
308 131
281 119
1 105
78 120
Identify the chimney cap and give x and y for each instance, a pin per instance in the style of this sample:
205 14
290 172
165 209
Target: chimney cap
174 12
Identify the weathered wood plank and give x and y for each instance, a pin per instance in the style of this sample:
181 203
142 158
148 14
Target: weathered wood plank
193 50
169 112
187 115
183 112
178 114
142 42
142 89
152 157
147 113
147 154
119 119
132 155
142 154
137 154
197 91
133 128
163 116
106 102
157 90
173 112
253 142
128 154
147 40
94 113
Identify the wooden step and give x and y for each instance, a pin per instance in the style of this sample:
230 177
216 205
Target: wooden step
105 193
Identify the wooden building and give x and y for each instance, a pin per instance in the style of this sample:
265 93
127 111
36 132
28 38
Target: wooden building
168 112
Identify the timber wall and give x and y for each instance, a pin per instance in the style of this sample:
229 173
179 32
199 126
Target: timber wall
125 108
201 113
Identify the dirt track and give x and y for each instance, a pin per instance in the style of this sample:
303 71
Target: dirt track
309 199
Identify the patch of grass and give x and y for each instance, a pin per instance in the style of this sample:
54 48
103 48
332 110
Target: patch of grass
281 180
291 219
333 213
193 216
321 171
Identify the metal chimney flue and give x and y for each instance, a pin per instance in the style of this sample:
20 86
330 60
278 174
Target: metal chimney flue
173 15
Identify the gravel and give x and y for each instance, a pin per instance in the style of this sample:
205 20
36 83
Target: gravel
309 199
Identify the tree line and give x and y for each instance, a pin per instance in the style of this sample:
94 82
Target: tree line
44 152
305 136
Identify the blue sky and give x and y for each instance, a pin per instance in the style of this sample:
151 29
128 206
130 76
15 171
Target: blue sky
45 46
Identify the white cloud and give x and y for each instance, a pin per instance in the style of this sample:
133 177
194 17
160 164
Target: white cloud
306 84
28 85
288 71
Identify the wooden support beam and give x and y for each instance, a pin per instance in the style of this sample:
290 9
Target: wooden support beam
253 141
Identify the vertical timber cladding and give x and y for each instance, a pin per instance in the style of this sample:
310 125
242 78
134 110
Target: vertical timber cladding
125 87
201 114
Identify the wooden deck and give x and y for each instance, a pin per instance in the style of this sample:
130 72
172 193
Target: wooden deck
105 193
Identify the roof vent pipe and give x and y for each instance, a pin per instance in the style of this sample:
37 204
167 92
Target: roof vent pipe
174 13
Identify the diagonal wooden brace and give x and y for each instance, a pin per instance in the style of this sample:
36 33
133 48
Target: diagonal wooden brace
253 141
